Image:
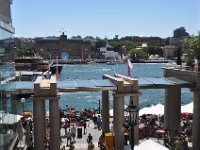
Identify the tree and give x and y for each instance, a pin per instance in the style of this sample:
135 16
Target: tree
195 44
139 53
192 48
130 45
154 50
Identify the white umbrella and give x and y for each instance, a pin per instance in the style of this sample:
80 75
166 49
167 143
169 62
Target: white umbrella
187 108
9 118
64 119
151 145
112 113
154 110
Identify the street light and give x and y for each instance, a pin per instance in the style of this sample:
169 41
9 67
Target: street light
99 107
133 113
23 100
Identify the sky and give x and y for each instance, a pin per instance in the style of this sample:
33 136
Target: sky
101 18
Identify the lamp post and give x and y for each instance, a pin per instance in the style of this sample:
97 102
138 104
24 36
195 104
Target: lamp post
133 113
23 100
99 106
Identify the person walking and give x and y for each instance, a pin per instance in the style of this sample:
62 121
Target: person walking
68 137
178 144
73 133
85 127
90 146
89 139
185 144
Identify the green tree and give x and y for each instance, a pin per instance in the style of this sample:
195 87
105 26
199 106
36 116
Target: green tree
195 45
154 50
192 48
130 45
139 53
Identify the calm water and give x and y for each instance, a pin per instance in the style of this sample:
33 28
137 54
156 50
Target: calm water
81 100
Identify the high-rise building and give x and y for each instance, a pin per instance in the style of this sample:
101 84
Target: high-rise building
180 33
6 31
7 71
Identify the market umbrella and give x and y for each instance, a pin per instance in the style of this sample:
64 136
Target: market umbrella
151 145
64 119
9 118
157 109
188 108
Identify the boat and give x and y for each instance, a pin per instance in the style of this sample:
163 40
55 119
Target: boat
114 62
34 64
53 68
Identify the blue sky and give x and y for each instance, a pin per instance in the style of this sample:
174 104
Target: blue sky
41 18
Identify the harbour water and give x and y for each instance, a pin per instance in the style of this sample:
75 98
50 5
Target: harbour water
81 100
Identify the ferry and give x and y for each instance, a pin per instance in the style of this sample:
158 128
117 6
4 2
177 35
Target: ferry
35 63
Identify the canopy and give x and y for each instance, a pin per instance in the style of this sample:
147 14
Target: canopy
188 108
154 110
111 112
64 119
159 109
9 118
151 145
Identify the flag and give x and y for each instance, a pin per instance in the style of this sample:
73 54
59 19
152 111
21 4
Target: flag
196 64
130 66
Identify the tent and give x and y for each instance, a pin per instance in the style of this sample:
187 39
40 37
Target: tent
112 113
188 108
154 110
151 145
9 118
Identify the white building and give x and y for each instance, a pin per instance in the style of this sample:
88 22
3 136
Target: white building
108 51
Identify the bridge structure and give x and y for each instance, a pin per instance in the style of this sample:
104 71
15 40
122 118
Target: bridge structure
121 86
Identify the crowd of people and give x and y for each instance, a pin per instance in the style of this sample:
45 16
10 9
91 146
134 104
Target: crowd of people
153 126
150 126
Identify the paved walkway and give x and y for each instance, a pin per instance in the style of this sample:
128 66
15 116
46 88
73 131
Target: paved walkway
81 143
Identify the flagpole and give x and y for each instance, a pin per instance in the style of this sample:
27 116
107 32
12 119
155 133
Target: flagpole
130 66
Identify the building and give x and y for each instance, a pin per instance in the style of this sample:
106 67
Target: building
139 40
178 36
180 33
6 30
108 51
7 72
54 47
169 51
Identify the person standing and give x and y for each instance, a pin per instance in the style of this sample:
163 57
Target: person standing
89 139
73 133
90 146
178 144
85 127
68 137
